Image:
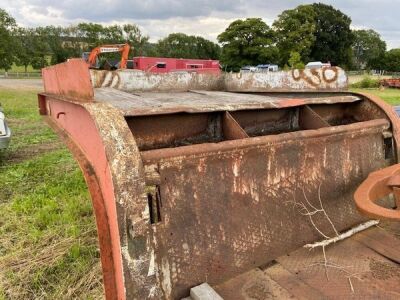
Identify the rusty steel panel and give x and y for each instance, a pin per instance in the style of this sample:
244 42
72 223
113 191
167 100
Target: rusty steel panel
309 119
264 122
328 79
175 130
333 78
231 129
391 82
166 153
155 103
240 214
62 80
136 80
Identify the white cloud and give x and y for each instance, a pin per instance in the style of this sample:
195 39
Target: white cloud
207 18
208 27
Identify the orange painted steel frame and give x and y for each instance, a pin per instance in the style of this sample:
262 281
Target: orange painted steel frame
86 144
79 131
378 185
124 49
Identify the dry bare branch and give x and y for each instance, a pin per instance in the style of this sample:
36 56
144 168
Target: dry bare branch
343 236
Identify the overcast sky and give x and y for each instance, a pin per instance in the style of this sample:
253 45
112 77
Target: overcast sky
207 18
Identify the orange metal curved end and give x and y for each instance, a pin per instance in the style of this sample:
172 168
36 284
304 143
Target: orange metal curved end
379 184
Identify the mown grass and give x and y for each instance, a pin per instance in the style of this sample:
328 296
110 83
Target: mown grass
390 95
48 240
15 68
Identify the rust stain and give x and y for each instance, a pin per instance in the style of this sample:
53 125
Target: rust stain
222 169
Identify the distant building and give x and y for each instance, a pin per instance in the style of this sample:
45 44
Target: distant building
164 65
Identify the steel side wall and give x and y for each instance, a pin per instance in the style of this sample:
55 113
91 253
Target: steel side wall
228 211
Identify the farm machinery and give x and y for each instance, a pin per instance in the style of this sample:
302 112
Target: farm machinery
92 57
223 178
391 82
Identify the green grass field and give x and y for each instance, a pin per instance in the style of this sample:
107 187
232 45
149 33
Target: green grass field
48 240
16 68
391 96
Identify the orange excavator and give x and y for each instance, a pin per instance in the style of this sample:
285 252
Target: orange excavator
123 48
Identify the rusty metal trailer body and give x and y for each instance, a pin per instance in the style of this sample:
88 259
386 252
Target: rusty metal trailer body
194 177
391 82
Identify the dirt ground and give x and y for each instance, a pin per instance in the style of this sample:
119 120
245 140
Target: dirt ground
25 84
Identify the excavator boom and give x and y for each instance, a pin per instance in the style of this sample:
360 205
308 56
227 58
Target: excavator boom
123 48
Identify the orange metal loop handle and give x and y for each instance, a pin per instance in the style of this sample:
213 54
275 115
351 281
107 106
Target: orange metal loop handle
378 185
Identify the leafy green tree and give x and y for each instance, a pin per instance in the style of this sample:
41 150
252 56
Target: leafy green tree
8 43
368 49
333 36
91 34
317 31
392 60
295 32
180 45
41 48
112 35
72 43
133 35
206 48
295 60
24 49
59 45
247 42
149 49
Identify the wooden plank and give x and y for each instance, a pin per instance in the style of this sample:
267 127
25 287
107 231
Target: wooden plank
254 284
372 275
292 283
381 242
301 274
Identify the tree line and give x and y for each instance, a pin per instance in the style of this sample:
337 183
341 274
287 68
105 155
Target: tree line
314 32
42 46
